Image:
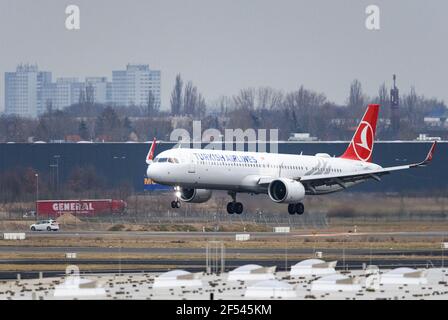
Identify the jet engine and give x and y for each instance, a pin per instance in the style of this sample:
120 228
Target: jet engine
195 195
286 191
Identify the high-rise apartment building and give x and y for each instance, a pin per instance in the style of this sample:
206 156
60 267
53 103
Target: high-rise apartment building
30 92
133 85
23 90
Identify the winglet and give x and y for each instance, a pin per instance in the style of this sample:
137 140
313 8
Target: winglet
150 155
429 156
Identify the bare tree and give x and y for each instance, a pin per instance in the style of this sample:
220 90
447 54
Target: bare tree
14 128
245 99
383 96
152 107
201 107
304 109
356 99
90 94
410 105
190 98
83 130
269 98
176 96
225 104
108 126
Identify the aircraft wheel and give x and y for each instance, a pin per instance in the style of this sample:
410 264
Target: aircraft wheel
175 204
238 208
300 208
231 208
291 208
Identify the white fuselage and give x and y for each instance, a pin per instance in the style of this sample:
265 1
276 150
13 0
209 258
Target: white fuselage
240 171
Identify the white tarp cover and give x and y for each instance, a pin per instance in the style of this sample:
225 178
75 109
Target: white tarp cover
313 267
77 287
335 282
176 278
251 272
404 276
270 289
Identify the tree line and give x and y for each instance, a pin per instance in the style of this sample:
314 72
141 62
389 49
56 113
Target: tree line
22 184
300 110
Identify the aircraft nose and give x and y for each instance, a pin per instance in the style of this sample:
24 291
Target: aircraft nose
151 172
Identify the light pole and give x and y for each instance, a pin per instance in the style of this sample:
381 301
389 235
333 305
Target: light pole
37 193
118 158
52 178
57 156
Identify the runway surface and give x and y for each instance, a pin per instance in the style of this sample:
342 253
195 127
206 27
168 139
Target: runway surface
258 235
153 265
201 251
161 258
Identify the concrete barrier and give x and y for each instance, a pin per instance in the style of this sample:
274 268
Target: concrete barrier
242 237
14 236
71 255
282 229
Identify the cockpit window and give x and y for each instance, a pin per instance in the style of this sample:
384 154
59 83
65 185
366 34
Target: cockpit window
170 160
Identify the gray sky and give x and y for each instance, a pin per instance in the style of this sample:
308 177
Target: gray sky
225 45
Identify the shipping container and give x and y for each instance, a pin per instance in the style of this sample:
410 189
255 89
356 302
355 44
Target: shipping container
87 207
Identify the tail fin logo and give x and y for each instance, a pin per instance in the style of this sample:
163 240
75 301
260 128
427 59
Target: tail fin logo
361 146
363 141
150 155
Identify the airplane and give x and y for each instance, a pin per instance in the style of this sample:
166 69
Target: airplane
285 178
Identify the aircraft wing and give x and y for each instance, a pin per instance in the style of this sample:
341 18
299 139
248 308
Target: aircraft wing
349 177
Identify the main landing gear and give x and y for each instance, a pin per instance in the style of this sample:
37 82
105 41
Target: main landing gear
175 204
296 208
234 207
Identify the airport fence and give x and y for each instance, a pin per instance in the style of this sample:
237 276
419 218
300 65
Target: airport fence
175 221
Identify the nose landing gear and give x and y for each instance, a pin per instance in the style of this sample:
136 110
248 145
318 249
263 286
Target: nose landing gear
296 208
175 204
234 206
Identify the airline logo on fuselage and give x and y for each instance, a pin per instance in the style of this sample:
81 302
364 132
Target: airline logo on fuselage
363 141
224 158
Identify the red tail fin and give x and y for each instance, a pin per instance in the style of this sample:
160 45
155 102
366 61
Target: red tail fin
361 146
150 155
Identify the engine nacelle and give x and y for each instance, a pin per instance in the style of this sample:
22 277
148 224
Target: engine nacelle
195 195
286 191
